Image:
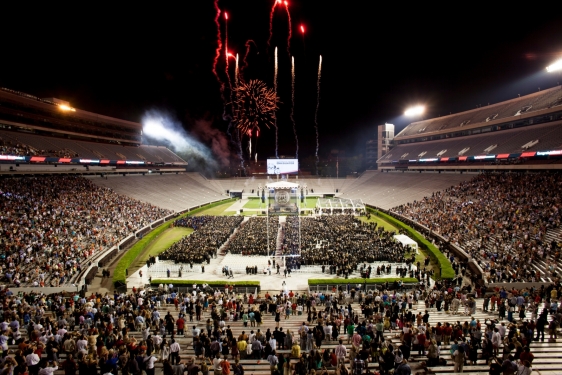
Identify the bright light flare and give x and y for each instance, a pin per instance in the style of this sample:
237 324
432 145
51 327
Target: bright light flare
415 111
225 16
286 3
554 67
64 107
302 29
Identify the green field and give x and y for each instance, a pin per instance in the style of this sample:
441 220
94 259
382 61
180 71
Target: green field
380 223
219 210
161 243
165 240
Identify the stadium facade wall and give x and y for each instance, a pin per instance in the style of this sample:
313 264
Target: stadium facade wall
460 167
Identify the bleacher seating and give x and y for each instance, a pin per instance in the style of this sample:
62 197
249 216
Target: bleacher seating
508 141
546 354
539 100
386 190
61 147
173 192
52 225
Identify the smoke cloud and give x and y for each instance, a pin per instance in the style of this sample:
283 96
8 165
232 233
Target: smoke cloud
216 138
161 126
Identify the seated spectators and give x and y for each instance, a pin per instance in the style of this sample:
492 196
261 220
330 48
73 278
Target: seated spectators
500 219
51 225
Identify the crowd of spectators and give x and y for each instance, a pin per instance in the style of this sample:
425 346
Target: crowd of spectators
341 242
499 219
15 148
252 237
129 333
51 225
203 244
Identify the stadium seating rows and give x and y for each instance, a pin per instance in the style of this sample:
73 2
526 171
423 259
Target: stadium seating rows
51 225
546 354
510 223
506 141
537 101
60 147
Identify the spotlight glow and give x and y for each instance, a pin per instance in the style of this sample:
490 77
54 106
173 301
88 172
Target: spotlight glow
415 111
555 66
64 107
302 29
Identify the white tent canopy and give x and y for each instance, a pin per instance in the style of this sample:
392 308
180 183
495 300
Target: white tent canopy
282 185
406 241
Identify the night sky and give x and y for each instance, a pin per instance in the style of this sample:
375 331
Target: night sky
378 58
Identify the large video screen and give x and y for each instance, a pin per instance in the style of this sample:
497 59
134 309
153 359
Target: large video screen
282 166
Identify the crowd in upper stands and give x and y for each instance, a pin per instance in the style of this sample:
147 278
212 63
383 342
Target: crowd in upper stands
203 244
51 225
8 147
500 219
16 149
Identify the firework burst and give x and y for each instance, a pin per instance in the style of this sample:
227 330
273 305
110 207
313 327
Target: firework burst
255 106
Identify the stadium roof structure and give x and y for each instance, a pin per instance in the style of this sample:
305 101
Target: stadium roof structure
57 117
485 115
51 131
526 127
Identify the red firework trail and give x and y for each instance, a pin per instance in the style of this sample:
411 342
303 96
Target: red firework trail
245 65
219 44
226 54
290 28
226 39
271 21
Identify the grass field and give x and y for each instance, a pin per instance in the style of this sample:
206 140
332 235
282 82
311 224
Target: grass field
254 203
218 210
164 241
380 223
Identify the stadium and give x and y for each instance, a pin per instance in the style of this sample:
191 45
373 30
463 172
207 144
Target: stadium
440 254
76 202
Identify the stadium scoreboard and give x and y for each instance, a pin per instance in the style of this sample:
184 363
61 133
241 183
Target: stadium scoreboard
282 166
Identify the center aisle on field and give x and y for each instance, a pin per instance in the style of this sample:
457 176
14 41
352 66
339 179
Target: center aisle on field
280 236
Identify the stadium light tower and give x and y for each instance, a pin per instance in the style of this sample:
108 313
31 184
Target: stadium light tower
64 107
554 67
415 111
